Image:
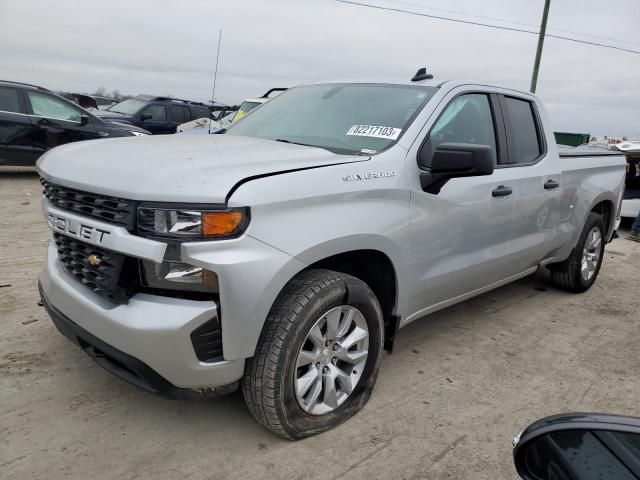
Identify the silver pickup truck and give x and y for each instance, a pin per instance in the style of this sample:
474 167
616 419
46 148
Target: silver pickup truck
284 254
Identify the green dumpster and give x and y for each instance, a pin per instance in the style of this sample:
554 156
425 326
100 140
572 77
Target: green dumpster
571 139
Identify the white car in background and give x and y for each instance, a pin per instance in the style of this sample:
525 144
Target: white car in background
631 202
210 125
251 103
206 124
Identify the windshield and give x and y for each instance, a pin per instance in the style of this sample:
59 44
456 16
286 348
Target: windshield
128 107
342 118
245 108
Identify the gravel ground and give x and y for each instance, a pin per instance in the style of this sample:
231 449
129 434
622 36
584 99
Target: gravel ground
459 385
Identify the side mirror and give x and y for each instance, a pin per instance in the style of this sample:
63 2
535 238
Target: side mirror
579 446
452 160
84 120
145 116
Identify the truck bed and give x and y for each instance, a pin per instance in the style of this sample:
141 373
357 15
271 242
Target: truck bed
632 183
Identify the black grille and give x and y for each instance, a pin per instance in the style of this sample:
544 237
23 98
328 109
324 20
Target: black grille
101 278
207 341
110 209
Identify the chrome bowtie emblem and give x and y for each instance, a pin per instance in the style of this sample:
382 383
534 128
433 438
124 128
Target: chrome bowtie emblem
94 260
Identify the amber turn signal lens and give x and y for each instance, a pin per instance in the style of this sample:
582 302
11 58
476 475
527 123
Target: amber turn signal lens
220 224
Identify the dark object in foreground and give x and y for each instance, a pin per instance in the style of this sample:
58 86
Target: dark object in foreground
579 446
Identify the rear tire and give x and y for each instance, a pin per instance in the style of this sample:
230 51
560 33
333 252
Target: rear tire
578 272
311 308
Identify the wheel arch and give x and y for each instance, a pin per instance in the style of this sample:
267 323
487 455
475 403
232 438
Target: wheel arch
375 269
606 208
377 261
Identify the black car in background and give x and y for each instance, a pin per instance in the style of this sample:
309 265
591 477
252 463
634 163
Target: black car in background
34 119
159 115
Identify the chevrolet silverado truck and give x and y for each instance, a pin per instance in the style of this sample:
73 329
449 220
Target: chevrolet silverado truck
284 254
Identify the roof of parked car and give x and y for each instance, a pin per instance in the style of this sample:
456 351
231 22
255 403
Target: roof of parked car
22 84
159 98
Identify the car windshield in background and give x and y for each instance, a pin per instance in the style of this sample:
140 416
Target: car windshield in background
245 108
128 107
342 118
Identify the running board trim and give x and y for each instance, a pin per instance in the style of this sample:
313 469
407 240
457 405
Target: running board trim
466 296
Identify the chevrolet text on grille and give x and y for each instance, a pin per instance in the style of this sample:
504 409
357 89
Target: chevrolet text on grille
76 229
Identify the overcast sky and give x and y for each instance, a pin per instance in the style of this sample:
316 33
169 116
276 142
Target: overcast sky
168 48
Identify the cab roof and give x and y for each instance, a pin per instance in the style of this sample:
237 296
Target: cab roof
433 83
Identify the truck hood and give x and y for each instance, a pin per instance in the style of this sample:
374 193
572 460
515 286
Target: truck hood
176 168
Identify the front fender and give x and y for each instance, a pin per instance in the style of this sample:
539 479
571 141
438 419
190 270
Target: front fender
314 214
251 275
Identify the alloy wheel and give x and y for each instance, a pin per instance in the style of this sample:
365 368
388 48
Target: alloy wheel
591 254
332 359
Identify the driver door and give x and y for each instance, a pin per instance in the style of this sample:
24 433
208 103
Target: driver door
461 235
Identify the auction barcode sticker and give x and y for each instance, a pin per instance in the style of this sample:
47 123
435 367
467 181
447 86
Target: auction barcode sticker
375 131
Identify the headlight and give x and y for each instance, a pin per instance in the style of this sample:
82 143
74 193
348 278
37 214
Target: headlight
186 224
170 275
138 134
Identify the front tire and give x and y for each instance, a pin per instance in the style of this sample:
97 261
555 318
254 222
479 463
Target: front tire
318 357
580 270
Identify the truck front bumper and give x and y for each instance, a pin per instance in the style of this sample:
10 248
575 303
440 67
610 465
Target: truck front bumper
146 342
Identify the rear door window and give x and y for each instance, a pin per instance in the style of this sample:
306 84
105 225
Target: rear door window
10 100
178 114
158 113
525 140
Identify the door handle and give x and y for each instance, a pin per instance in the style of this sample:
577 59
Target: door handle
502 191
551 184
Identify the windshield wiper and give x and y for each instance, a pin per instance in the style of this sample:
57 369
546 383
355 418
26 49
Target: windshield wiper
284 140
339 151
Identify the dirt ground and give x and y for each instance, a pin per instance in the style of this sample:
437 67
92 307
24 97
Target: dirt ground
459 385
